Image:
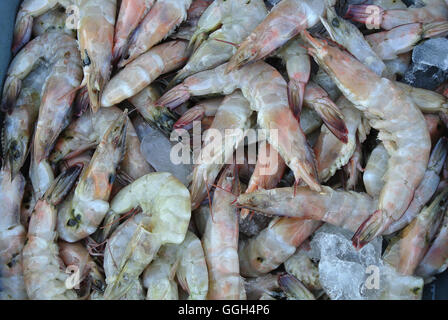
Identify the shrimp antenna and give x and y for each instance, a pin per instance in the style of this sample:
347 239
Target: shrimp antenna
73 91
131 213
228 42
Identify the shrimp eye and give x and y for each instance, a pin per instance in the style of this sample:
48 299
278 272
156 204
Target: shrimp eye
335 22
260 259
72 222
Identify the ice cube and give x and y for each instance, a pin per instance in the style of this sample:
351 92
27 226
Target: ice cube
424 76
433 52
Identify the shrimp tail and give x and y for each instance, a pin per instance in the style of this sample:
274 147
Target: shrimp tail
307 170
438 155
332 117
186 121
435 29
174 97
370 228
22 32
10 94
363 13
196 40
294 287
243 56
296 92
63 184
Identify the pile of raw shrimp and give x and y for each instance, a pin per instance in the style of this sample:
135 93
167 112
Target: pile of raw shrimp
96 87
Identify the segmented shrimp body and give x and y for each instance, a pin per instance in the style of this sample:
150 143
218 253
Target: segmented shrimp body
220 241
233 113
44 279
83 213
131 14
433 11
88 131
144 70
12 237
375 170
402 129
230 23
96 36
285 21
166 207
159 23
266 91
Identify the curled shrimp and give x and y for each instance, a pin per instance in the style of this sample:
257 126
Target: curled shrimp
95 35
407 251
273 245
266 91
82 214
403 131
76 255
234 113
285 21
44 280
19 124
331 153
230 22
144 70
88 131
145 103
29 9
131 14
159 23
12 237
220 241
166 207
348 35
433 11
389 44
427 187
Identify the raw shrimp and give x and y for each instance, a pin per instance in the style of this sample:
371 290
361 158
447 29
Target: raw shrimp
426 100
83 213
12 237
262 177
316 98
206 108
159 23
389 44
375 170
298 67
345 209
60 53
41 176
348 36
194 13
220 240
19 124
233 114
285 21
231 22
436 258
29 9
266 285
145 103
433 11
192 273
408 249
159 276
403 131
427 187
353 168
88 131
131 14
44 279
144 70
95 35
266 91
331 153
55 19
28 202
293 288
76 255
273 245
166 207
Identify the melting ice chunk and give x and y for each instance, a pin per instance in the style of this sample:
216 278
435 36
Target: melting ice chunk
433 52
